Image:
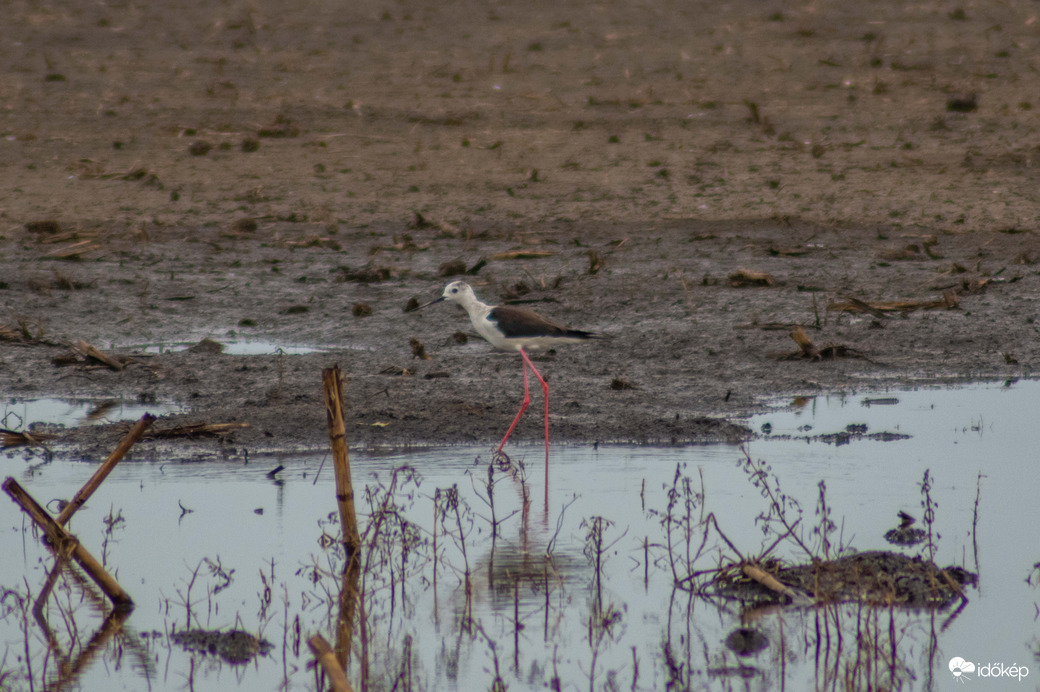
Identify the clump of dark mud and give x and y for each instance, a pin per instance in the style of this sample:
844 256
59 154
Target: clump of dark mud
872 577
234 646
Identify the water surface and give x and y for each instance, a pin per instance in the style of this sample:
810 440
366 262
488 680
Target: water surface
227 546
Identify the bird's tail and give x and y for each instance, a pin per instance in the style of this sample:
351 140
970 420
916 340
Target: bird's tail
584 336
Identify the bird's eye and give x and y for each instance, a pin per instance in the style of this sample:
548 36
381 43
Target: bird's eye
454 290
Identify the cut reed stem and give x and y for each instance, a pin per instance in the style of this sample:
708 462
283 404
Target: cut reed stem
99 476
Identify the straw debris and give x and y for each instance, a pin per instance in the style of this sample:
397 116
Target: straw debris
748 277
809 351
880 309
23 438
197 430
445 228
520 255
92 353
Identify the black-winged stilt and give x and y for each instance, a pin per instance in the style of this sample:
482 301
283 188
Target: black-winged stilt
514 329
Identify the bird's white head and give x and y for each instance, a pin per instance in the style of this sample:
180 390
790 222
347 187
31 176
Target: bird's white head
459 292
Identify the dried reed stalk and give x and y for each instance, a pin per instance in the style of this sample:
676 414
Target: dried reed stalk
327 660
99 476
61 541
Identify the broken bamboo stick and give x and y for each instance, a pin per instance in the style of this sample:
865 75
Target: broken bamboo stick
59 539
327 660
99 476
332 379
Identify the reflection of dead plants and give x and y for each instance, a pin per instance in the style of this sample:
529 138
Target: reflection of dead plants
450 513
596 549
497 684
832 573
848 607
69 601
846 596
518 472
825 526
392 550
929 506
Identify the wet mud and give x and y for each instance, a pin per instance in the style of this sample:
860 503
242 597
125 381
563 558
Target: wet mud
298 175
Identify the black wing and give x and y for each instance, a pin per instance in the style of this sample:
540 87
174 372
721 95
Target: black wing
520 323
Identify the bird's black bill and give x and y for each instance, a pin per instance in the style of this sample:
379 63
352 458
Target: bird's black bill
426 305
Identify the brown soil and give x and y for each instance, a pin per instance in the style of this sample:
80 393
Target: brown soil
180 170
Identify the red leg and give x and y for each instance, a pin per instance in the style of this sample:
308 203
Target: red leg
523 406
545 391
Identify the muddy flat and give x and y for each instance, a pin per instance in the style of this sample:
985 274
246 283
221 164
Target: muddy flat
695 181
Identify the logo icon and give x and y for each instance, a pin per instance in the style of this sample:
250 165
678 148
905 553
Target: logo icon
960 668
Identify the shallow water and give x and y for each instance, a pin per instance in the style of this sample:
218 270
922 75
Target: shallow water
259 534
20 414
233 347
